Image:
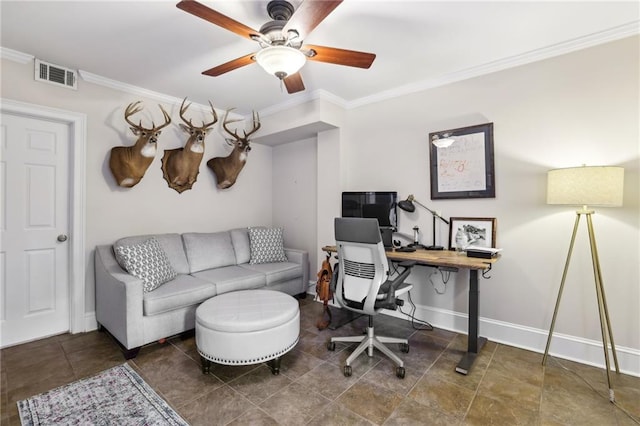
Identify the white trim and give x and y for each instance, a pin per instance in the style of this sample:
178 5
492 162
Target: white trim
578 349
15 56
90 321
129 88
78 131
141 91
302 98
611 34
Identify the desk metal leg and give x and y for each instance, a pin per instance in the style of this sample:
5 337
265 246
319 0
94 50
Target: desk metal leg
474 343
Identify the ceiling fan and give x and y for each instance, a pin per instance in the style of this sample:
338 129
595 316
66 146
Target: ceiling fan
282 52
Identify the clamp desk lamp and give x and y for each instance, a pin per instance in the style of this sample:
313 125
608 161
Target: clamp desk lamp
582 186
408 206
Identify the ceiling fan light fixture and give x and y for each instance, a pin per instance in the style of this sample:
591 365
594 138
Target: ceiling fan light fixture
281 61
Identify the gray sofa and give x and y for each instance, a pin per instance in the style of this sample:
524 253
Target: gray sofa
205 264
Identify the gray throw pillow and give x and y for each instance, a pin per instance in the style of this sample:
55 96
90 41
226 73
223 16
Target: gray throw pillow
148 262
267 245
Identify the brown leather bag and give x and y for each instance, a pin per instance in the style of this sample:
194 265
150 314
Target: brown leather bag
324 293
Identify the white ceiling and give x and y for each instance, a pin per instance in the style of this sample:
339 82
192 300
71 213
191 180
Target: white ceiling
158 47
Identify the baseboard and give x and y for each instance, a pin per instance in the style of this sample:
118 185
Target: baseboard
90 321
578 349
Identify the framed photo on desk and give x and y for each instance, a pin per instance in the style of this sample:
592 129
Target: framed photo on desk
472 232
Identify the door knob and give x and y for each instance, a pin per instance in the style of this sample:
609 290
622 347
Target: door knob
62 238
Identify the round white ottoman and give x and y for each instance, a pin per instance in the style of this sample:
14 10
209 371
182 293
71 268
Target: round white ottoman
247 327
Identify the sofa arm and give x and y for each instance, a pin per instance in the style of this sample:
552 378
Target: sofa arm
118 299
301 257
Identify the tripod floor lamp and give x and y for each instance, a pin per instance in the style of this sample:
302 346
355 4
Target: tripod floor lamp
408 206
588 186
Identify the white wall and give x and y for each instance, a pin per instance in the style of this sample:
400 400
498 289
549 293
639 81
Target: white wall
294 195
151 206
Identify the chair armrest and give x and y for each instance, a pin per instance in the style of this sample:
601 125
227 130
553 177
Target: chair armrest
390 286
119 306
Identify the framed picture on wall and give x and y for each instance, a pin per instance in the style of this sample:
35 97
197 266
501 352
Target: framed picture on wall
465 232
461 163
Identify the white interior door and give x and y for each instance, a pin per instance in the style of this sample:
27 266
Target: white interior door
34 253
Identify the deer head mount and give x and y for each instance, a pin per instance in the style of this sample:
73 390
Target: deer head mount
129 163
228 168
180 166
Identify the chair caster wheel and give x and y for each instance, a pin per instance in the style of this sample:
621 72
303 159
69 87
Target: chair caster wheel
404 347
400 372
347 371
331 346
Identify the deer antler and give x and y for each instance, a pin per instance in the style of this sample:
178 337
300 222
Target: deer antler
131 109
136 107
225 122
167 119
183 109
256 117
256 125
215 118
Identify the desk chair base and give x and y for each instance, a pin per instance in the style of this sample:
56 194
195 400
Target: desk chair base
368 342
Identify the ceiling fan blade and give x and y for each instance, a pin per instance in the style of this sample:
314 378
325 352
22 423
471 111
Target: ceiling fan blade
294 83
308 15
350 58
231 65
217 18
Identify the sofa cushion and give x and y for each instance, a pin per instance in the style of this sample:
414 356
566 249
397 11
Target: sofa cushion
208 250
241 245
183 291
267 245
276 272
146 261
231 278
170 243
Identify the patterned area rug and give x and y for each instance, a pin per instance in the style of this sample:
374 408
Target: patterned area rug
117 396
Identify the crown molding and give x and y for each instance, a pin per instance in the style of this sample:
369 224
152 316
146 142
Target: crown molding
124 87
141 91
319 94
15 56
579 43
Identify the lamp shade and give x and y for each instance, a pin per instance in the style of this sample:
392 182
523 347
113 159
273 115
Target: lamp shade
407 205
586 186
281 61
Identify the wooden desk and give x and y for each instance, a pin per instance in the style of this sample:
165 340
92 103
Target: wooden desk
454 260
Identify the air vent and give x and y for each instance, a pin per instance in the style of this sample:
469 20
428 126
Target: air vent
54 74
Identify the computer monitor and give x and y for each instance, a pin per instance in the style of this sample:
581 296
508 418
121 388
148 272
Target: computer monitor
379 205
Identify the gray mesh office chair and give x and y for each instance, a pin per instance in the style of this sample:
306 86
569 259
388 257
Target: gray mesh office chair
363 285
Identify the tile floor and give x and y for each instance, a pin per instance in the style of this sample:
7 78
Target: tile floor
507 386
